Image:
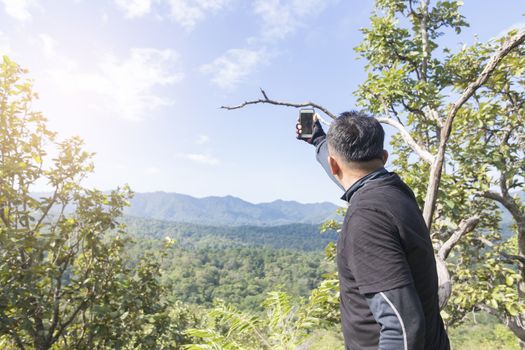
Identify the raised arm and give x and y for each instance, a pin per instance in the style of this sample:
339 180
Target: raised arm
321 147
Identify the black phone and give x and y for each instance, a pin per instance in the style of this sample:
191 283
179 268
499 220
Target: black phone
306 119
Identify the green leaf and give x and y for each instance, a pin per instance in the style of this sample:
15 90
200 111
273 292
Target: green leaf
509 280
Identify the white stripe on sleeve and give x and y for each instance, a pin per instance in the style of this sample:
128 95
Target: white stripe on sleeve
399 318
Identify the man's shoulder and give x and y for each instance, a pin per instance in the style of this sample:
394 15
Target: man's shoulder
365 219
380 193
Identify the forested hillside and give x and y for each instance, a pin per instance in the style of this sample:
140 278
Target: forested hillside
237 264
304 237
240 275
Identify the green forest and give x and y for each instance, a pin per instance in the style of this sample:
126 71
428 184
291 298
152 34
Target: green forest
76 273
293 236
239 275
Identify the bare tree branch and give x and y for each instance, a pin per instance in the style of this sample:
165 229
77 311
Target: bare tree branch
412 12
424 39
282 103
491 65
466 226
432 114
56 302
420 151
3 218
264 94
507 201
437 167
444 282
405 135
52 202
71 318
424 154
516 324
512 257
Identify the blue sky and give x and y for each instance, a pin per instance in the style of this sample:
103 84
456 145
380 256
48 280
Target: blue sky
141 82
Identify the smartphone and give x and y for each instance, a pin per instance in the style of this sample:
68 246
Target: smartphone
306 119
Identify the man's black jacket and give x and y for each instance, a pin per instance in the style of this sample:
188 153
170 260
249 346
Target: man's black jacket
387 269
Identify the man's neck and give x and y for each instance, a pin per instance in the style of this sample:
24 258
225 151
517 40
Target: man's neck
352 175
354 186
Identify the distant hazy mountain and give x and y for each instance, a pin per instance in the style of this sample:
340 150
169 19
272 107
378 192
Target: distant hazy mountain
226 210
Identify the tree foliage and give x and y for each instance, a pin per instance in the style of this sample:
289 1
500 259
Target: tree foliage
65 280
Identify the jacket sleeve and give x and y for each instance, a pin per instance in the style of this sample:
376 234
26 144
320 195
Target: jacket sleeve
321 149
400 315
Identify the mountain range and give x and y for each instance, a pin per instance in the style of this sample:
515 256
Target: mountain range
228 210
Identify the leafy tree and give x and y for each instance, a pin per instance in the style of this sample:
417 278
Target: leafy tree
487 145
65 280
459 117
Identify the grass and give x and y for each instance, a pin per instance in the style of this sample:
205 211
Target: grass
482 332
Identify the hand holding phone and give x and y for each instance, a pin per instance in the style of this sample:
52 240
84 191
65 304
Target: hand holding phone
308 127
306 123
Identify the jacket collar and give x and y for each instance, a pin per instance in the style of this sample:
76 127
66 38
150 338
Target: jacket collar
362 181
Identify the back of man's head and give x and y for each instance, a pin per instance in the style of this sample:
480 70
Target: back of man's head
356 137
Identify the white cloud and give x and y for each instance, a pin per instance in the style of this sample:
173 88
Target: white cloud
126 85
5 45
230 69
282 17
104 17
189 12
203 159
152 171
134 8
19 9
49 45
202 139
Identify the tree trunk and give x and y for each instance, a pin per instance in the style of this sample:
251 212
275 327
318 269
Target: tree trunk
41 344
521 251
521 285
444 282
517 326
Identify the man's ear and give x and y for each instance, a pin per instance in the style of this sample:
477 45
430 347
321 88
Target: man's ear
334 166
385 156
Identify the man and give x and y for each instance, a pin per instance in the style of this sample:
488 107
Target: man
387 271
